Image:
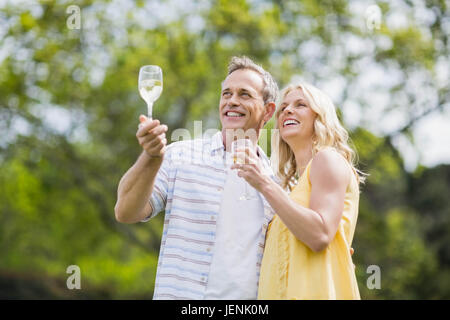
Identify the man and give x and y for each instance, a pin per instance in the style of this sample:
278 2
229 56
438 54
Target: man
212 242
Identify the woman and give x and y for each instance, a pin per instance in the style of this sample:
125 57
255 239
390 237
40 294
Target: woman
308 243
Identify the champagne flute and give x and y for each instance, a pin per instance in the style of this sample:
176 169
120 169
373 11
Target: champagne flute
150 85
241 144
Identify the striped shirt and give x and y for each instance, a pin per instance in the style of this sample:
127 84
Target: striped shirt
189 187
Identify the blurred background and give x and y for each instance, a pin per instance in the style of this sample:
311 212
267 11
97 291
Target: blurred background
69 109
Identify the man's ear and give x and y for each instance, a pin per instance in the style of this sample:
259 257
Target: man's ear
270 110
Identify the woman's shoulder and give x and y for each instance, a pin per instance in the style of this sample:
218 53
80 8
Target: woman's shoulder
328 163
329 155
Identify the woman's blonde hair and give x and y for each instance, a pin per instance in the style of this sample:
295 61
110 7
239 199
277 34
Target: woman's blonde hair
328 132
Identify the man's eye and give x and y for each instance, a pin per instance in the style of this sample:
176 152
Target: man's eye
245 94
226 94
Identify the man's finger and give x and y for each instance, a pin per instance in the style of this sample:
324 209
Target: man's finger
142 118
161 139
146 126
159 130
154 129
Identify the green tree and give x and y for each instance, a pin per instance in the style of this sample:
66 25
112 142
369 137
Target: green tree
69 107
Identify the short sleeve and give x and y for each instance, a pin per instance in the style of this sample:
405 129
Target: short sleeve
158 198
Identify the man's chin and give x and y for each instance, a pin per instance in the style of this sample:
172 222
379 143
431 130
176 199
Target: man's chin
233 126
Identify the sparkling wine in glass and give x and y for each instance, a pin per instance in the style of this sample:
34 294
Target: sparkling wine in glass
241 144
150 85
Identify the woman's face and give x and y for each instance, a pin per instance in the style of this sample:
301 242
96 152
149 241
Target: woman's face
296 118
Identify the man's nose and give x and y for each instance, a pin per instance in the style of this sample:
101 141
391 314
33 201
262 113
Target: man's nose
234 101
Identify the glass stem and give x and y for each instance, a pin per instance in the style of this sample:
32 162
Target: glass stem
246 195
149 110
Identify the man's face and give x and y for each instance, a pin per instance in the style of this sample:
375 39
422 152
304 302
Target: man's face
241 101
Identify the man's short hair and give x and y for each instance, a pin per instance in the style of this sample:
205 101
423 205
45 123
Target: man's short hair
270 89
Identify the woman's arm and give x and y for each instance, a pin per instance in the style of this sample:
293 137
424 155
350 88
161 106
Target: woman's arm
315 226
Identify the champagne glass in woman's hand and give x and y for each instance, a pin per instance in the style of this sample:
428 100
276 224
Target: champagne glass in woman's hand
150 85
241 144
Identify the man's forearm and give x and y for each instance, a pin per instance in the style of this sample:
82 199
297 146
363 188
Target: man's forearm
135 189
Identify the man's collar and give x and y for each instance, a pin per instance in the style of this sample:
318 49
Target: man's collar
217 142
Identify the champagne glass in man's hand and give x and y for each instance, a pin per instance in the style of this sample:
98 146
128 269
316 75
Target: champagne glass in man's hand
151 134
150 85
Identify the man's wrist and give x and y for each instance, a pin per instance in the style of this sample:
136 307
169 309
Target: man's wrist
152 160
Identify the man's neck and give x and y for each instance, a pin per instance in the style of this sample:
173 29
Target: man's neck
228 137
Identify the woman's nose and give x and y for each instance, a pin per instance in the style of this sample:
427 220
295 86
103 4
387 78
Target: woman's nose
287 109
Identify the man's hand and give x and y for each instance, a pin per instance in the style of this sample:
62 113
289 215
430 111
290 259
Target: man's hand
152 137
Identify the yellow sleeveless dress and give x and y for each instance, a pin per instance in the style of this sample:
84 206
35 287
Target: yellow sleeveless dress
291 270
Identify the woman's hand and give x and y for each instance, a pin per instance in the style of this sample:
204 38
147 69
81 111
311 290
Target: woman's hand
252 169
